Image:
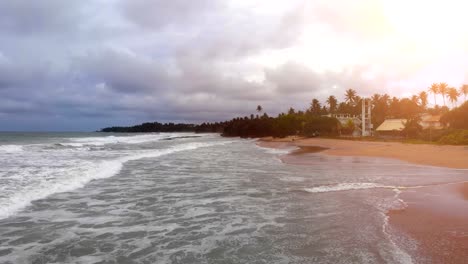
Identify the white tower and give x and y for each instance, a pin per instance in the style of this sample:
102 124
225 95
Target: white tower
366 121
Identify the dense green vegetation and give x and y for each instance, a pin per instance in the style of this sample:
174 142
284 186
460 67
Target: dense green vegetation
456 137
318 119
306 124
167 127
457 118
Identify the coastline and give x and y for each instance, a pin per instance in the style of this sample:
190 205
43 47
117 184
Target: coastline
435 217
455 157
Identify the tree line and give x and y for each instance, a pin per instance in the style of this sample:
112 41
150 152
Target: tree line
318 118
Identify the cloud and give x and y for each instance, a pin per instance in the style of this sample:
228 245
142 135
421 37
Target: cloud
361 18
36 17
122 71
156 14
93 63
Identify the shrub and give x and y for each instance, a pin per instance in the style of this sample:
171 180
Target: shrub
348 129
433 135
322 125
412 128
457 118
457 137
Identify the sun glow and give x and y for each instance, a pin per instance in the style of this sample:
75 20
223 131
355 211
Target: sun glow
439 24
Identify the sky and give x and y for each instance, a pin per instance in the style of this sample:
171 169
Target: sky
84 65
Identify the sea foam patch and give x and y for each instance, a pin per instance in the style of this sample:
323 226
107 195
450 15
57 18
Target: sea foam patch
345 187
134 139
60 173
278 151
11 148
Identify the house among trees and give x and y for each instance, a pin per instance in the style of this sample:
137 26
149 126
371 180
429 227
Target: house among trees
391 127
429 121
350 124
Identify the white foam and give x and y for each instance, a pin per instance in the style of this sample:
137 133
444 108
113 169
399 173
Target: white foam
278 151
77 174
292 179
72 181
11 148
135 139
399 255
345 187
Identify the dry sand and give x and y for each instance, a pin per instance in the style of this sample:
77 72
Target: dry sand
436 217
434 155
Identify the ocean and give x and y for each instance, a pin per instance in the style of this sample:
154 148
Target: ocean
197 198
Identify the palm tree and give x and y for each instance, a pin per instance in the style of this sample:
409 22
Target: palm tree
423 98
434 89
332 103
315 107
464 90
259 108
443 89
415 99
375 99
350 96
386 99
452 95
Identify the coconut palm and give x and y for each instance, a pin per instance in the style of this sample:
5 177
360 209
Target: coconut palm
332 103
443 89
350 96
452 95
423 98
414 99
375 98
315 107
386 98
259 108
434 89
464 90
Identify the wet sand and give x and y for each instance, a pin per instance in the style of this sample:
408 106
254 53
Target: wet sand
436 216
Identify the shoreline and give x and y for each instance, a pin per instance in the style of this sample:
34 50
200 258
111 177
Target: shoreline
455 157
435 216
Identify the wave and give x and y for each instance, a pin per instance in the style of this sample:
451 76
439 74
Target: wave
347 187
77 177
135 139
277 151
359 186
11 148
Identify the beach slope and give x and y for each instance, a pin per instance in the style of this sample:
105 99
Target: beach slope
424 154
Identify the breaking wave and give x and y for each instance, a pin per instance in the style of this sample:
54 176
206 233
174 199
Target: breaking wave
346 187
11 148
138 139
58 179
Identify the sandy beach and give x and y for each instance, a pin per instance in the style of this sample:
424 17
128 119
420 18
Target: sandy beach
435 217
432 155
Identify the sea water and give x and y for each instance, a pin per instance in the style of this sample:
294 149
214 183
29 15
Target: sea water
197 198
